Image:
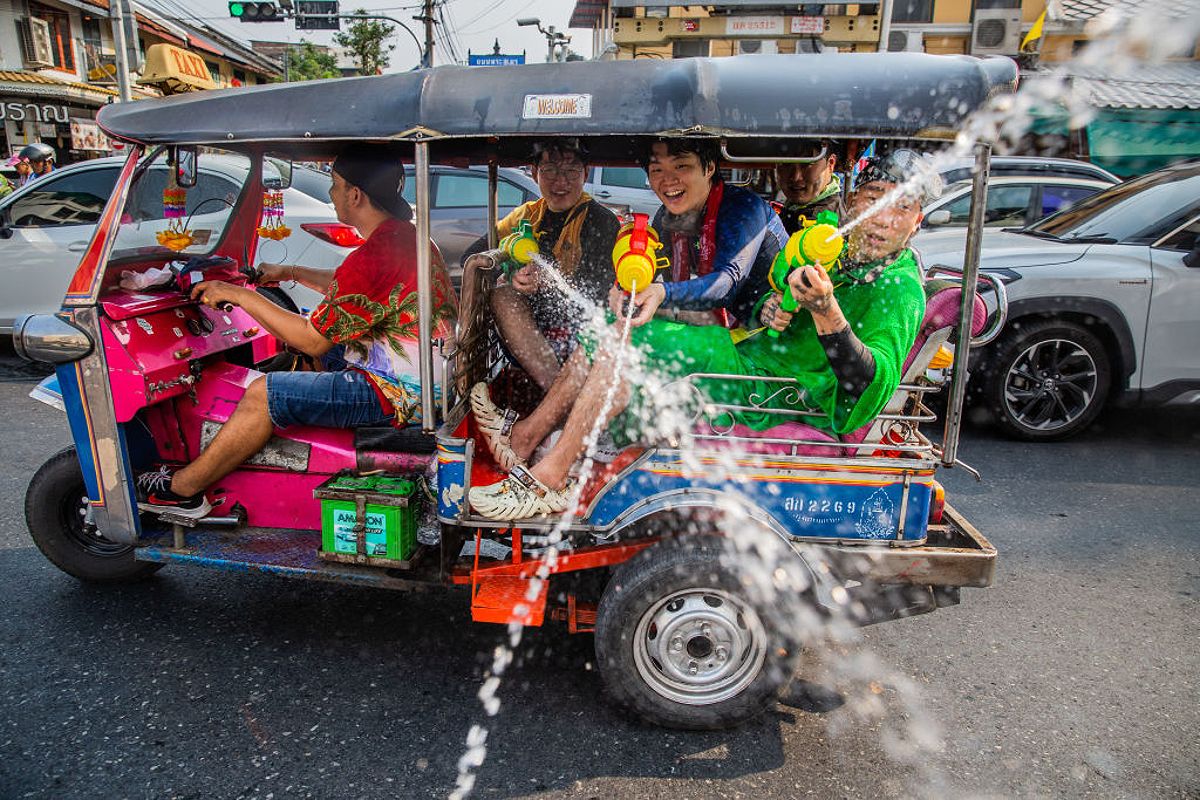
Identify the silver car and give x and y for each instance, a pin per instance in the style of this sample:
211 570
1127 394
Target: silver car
45 226
1104 305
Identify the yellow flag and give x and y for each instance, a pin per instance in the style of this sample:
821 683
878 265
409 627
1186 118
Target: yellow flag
1035 33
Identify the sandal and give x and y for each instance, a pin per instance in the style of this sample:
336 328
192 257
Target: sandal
519 496
496 427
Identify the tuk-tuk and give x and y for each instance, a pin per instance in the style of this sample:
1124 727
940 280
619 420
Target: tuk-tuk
694 562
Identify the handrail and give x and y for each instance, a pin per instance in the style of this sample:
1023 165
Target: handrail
999 318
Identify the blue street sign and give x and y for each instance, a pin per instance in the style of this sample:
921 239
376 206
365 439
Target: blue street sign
494 60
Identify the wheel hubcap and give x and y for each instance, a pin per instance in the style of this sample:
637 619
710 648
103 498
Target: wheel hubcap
78 526
1050 384
699 646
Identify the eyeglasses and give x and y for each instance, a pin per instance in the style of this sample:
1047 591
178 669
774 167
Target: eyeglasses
553 172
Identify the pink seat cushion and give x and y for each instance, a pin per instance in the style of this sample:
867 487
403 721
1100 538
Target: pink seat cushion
790 431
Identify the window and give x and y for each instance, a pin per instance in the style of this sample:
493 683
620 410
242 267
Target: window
912 11
470 191
239 76
1006 206
690 48
1056 198
214 71
1186 238
61 44
316 184
211 194
70 200
626 177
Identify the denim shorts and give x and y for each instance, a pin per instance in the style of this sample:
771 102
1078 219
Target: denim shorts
343 399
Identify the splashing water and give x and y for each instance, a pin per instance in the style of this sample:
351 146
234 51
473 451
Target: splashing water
503 655
875 693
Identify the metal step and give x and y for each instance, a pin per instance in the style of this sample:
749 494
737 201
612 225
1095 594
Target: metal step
276 551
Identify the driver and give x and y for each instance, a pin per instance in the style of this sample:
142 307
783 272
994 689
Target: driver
846 350
364 331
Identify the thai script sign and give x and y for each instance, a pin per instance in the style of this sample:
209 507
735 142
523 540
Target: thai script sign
754 26
19 112
812 25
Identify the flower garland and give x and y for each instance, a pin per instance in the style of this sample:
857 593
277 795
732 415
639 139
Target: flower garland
174 236
273 227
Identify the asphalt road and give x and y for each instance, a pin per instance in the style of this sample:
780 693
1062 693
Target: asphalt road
1076 675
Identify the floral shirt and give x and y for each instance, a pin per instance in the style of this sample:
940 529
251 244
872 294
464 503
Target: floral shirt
370 308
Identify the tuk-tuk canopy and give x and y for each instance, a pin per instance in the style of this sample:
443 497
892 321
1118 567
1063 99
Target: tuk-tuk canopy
884 95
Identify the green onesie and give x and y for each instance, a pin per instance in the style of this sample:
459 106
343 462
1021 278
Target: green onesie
885 314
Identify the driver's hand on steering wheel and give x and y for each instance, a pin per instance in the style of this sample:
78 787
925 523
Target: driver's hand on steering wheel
215 294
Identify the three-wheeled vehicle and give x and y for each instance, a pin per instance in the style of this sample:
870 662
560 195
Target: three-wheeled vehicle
691 560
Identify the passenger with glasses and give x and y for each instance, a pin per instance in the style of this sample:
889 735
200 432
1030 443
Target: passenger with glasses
538 321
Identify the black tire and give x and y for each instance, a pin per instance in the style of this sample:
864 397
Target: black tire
675 588
1048 380
54 504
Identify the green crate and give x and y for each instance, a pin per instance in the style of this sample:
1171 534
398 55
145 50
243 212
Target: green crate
386 505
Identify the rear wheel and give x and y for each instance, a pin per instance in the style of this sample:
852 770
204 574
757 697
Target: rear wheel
683 641
1048 381
55 509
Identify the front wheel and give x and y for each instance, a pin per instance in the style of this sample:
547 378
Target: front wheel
55 510
683 642
1048 381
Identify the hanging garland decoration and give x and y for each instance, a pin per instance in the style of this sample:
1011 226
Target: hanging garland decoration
273 227
175 236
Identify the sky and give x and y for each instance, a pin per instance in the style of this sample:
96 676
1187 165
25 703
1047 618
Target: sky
471 25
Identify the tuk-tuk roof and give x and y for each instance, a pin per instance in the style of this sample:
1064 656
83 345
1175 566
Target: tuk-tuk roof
885 95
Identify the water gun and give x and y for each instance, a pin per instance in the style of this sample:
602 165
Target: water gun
817 241
635 254
518 248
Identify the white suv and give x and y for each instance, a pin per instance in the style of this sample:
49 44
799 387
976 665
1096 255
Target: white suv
1103 305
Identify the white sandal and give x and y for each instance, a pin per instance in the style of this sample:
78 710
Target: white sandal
496 427
519 496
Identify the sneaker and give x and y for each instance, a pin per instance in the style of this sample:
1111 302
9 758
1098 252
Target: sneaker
154 495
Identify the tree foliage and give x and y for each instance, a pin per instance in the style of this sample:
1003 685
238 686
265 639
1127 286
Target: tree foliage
307 62
366 40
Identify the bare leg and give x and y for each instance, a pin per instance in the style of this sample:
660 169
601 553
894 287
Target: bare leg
514 320
527 433
247 430
552 470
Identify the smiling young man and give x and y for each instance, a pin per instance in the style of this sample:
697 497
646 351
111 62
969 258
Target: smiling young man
536 322
846 350
721 239
808 189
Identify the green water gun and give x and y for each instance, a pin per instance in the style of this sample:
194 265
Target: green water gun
519 247
817 241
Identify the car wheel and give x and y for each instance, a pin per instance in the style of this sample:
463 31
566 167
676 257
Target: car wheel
1048 380
682 642
55 508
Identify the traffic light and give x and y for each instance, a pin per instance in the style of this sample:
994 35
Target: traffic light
317 15
255 12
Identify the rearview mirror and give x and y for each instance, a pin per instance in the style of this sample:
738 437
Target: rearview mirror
184 160
936 218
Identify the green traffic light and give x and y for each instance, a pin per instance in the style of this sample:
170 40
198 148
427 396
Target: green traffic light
237 9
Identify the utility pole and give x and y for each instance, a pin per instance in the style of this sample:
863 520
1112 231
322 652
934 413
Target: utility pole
117 14
427 18
885 25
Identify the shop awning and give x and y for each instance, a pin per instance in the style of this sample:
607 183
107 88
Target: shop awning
33 84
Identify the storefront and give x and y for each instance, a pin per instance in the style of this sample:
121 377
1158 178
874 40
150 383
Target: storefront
62 114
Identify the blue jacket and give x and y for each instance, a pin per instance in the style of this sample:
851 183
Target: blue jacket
749 234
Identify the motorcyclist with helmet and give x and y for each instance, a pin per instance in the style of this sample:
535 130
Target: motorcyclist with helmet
35 160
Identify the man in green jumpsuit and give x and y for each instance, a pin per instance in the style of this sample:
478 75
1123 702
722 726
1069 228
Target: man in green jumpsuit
845 348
